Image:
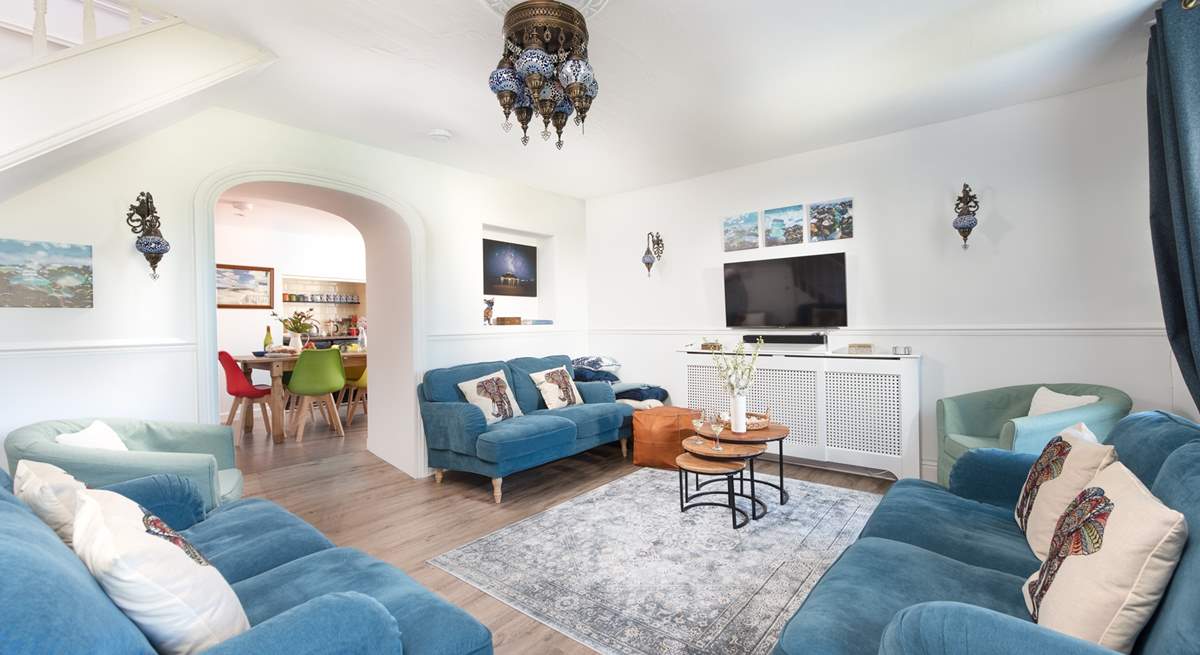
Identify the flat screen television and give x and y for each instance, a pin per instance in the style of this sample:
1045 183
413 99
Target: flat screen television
795 292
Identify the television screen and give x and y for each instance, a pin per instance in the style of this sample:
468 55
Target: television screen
797 292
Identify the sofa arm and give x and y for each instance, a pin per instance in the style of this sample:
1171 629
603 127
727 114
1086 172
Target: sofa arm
96 467
174 437
172 498
447 422
348 623
596 392
991 475
945 628
1030 434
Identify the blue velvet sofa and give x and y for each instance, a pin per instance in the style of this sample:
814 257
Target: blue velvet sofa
939 572
303 596
459 439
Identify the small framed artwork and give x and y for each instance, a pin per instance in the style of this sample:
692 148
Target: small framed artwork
829 221
741 232
784 226
245 287
509 269
44 274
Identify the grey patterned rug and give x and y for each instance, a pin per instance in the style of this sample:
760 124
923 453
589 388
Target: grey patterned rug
622 570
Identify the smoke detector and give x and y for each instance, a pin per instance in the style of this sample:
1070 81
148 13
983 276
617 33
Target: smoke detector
440 135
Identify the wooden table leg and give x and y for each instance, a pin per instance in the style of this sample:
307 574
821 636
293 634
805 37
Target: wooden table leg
248 414
277 414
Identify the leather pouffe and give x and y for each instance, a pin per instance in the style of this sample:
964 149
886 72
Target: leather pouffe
658 435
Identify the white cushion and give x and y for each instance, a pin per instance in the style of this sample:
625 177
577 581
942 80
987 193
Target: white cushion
557 388
96 435
492 394
1046 401
1114 550
162 583
1064 468
50 492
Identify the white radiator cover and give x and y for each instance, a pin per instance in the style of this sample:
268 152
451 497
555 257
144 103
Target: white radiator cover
857 410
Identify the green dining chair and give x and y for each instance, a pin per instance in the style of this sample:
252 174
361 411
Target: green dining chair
358 396
317 375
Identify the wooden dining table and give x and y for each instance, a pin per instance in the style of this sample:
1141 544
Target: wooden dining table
278 365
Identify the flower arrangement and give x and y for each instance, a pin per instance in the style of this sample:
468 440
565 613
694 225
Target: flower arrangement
735 369
298 322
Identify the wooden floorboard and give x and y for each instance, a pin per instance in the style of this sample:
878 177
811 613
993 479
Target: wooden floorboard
360 501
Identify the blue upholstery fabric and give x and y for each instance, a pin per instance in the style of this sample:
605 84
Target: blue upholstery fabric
592 375
596 392
592 420
253 535
52 603
441 384
523 435
428 624
926 515
452 425
946 628
1173 627
172 498
347 623
1145 440
991 475
528 396
452 461
847 611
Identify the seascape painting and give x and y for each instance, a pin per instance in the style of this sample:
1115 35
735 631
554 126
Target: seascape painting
829 221
509 269
45 274
245 287
741 232
784 226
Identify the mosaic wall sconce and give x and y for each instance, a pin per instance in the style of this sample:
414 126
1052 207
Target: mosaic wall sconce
654 250
143 220
966 206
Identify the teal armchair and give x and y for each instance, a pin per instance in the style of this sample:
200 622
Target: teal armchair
997 418
203 454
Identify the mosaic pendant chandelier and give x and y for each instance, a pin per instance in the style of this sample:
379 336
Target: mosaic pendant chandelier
544 70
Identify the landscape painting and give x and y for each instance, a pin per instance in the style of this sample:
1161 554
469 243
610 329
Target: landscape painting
509 269
45 274
829 221
741 232
245 287
784 226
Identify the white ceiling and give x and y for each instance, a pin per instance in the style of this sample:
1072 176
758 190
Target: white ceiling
688 87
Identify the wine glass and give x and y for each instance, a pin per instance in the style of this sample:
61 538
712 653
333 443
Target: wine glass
698 423
717 428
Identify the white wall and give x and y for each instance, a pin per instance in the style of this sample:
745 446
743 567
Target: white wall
1058 284
142 331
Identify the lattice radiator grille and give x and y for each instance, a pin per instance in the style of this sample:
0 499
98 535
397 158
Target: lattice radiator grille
862 412
790 395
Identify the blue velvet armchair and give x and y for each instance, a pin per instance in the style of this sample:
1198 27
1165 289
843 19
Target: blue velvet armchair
997 418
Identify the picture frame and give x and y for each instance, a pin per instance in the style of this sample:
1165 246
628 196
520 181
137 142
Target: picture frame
740 232
245 287
509 269
45 275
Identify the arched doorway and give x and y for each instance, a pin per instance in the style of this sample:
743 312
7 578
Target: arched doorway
394 238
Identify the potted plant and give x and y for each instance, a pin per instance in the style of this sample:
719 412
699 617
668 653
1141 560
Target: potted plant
736 371
299 324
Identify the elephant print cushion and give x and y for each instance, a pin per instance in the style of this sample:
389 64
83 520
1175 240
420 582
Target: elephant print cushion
557 388
1065 467
1111 557
492 394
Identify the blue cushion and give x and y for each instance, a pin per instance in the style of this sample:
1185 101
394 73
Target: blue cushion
52 603
1172 629
1145 440
428 624
590 420
626 414
924 514
247 537
441 384
528 396
847 611
523 435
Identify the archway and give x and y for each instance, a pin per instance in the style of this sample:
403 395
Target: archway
388 227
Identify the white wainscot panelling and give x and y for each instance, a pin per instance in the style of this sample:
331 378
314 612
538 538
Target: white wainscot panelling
151 381
503 342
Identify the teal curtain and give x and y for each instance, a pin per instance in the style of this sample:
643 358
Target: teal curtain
1173 108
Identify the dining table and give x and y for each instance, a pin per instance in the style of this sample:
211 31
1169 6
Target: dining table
278 364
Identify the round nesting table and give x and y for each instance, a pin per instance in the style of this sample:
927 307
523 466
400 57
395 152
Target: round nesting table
722 468
772 433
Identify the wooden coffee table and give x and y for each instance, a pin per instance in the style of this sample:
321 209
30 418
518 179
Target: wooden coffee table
721 468
772 433
707 449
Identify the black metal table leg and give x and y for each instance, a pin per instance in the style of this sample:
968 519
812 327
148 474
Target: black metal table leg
732 505
782 493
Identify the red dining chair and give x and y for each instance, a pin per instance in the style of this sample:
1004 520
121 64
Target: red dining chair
245 395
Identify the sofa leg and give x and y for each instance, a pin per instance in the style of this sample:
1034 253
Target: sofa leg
437 475
624 448
496 482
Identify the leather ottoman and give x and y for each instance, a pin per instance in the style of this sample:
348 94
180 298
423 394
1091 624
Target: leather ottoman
658 435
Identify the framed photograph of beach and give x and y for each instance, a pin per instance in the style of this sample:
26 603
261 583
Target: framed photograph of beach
43 274
245 287
829 221
740 232
784 226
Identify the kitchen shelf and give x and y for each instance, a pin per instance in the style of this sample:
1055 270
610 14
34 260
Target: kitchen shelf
317 302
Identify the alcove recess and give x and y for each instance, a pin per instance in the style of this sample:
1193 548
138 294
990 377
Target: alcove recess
541 307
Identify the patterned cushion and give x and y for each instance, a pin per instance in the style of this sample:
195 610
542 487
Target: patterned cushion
557 388
492 394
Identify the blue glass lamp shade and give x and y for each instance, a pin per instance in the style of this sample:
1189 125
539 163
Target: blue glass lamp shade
648 261
552 92
533 61
593 88
964 223
153 247
504 79
564 107
523 99
575 71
